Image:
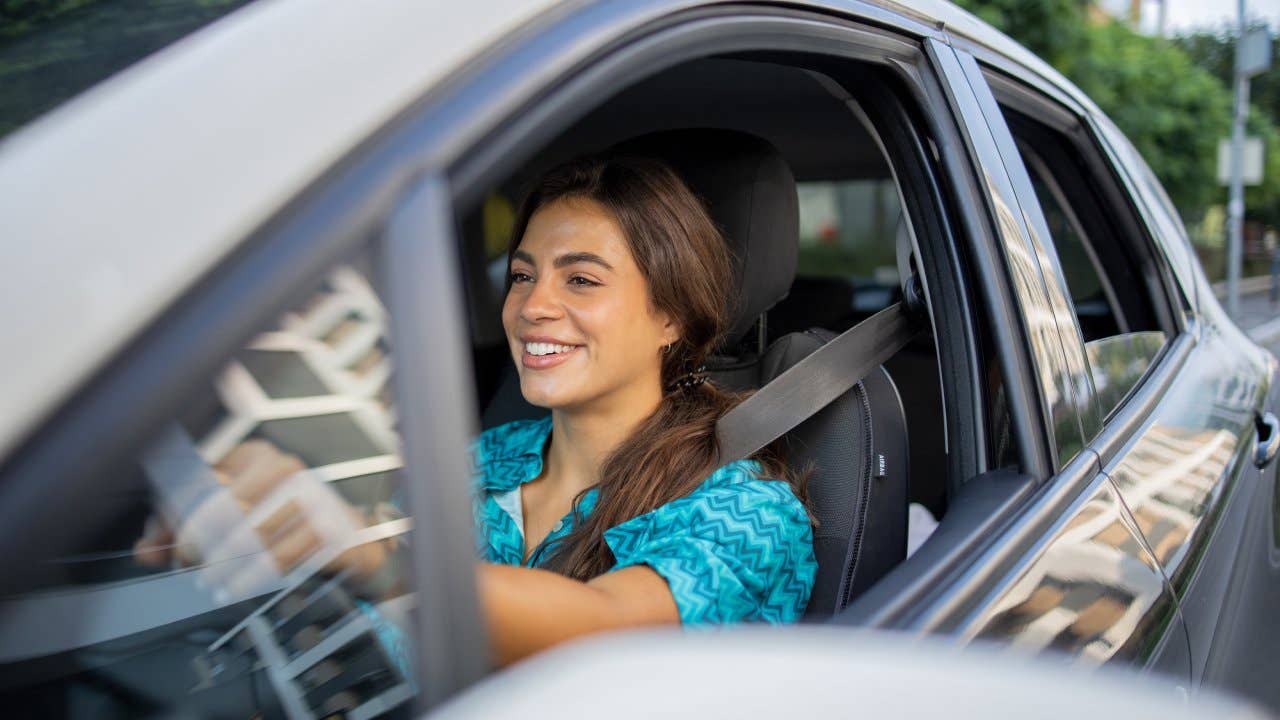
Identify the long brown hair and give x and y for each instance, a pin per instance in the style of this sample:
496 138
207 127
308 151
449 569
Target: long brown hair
686 264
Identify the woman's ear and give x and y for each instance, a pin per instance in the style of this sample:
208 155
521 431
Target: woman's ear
670 331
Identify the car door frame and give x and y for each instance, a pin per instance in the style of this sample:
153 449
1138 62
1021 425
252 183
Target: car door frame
1043 525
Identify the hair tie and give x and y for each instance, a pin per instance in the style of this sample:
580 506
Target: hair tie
690 380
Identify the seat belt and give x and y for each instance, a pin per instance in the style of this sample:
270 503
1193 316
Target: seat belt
815 382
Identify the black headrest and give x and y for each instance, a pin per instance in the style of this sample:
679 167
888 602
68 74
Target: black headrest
751 195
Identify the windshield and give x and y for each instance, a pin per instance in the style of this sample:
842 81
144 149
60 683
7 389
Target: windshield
52 50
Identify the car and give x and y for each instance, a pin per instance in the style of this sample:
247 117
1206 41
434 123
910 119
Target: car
290 225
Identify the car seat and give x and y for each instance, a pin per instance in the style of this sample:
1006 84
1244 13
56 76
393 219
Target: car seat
854 451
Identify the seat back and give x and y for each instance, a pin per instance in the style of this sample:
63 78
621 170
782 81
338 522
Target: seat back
854 452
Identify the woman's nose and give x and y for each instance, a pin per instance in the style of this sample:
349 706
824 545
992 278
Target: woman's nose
541 303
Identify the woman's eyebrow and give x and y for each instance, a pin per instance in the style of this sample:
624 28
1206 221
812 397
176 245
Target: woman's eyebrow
574 258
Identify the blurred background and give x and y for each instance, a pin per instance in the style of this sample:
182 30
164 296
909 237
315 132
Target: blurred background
1162 70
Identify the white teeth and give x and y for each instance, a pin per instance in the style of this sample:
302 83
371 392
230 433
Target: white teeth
541 348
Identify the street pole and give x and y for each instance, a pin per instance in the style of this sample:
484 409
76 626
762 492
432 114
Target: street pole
1235 205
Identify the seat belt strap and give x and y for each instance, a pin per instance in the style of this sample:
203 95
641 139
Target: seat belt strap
813 383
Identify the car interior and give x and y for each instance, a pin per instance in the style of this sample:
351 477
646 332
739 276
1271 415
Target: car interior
807 202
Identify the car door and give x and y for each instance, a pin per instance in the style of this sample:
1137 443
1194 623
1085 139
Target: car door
1195 465
1070 571
1178 396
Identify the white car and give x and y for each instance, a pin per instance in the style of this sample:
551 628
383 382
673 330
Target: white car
243 234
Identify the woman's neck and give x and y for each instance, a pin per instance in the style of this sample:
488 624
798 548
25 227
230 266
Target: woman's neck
582 439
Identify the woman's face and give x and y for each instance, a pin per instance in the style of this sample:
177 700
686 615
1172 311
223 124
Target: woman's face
578 318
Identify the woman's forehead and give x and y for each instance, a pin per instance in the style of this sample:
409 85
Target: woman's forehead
567 228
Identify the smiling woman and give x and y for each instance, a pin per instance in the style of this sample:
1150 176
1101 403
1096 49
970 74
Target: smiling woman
617 293
612 512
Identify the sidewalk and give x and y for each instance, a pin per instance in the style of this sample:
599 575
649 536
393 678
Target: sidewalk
1257 315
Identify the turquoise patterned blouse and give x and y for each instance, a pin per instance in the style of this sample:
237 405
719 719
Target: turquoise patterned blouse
738 548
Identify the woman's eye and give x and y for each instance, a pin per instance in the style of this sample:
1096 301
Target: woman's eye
519 277
582 282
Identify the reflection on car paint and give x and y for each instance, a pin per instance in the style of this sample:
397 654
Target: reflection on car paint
1175 473
1169 479
1067 326
1093 590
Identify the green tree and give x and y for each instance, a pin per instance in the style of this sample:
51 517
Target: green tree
1214 50
1172 99
1052 29
1173 110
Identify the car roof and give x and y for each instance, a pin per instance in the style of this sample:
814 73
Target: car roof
118 201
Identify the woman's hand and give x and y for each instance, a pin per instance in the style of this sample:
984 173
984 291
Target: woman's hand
271 515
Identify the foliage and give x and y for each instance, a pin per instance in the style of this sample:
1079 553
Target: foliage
1053 29
1215 52
1171 98
1172 110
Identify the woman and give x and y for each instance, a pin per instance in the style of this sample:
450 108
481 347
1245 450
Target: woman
611 512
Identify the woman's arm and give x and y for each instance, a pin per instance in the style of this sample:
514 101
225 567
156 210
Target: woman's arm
528 610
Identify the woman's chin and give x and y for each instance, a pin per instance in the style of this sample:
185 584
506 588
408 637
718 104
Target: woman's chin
543 397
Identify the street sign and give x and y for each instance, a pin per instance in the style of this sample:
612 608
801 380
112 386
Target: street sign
1253 56
1253 161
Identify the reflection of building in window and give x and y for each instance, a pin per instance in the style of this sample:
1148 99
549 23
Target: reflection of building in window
318 386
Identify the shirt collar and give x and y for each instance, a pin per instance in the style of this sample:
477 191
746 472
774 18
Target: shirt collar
514 457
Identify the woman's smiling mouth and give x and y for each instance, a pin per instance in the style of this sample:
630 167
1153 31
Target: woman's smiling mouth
540 354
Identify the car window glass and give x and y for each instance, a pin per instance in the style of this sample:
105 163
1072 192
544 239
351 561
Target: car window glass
1102 264
248 561
52 51
1119 361
848 231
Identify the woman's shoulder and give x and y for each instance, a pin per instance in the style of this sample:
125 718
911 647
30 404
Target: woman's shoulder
747 480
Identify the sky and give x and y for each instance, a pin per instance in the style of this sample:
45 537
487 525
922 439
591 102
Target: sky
1188 15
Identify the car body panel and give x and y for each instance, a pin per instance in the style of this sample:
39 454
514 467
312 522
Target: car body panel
810 671
1187 476
1092 590
310 82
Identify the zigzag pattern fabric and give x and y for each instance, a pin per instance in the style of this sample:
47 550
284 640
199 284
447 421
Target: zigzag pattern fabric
738 548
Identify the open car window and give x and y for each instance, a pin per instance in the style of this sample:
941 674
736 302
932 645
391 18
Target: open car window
204 580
